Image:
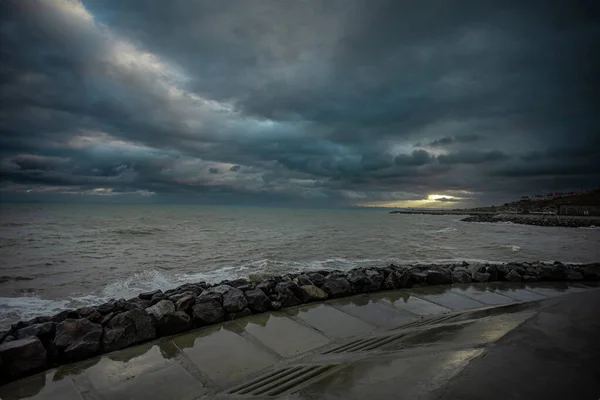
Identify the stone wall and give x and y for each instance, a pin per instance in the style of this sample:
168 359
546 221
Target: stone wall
71 335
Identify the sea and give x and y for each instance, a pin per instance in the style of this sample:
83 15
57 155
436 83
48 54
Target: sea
57 256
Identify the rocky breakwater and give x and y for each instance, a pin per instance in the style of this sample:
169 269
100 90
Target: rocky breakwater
561 221
71 335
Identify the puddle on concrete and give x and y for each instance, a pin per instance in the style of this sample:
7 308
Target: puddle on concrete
374 312
44 386
223 355
555 289
447 298
287 337
515 291
405 378
408 302
332 322
481 294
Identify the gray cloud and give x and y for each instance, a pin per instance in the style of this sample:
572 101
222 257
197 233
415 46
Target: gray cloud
312 101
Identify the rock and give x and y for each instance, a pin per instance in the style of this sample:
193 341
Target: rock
461 276
359 281
185 303
237 283
161 309
502 271
337 287
589 274
464 264
286 293
3 335
127 328
276 305
397 280
239 314
418 278
61 316
529 278
149 295
22 357
574 275
207 312
85 311
157 298
312 293
77 339
265 286
209 295
513 276
481 276
173 323
234 301
316 278
137 303
95 317
106 307
177 296
107 319
555 272
375 279
44 331
438 277
258 300
9 338
303 280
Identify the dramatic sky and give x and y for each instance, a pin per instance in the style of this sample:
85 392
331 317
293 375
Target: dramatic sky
298 102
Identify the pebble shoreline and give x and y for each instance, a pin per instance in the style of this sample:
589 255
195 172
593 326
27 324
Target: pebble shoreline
33 346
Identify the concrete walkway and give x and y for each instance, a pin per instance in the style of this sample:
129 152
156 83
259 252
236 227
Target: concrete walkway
421 343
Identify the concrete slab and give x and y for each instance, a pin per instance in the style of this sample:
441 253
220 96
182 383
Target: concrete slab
223 355
515 291
481 294
408 302
140 373
373 311
446 298
44 386
280 333
332 322
395 378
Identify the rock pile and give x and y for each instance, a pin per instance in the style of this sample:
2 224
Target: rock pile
564 222
71 335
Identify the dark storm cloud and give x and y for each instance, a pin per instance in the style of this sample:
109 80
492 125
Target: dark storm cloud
315 101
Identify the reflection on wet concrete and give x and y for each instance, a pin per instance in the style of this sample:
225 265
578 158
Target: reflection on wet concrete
223 355
332 322
287 337
482 295
409 302
373 311
447 299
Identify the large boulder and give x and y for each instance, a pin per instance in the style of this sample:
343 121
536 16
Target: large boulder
337 287
234 300
481 276
438 277
44 331
266 286
21 357
574 276
258 300
316 278
375 279
167 319
312 293
417 277
513 276
207 312
397 279
358 280
128 328
461 276
149 295
65 314
185 303
77 339
303 280
286 293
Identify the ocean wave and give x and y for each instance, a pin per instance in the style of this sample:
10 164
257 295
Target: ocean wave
445 230
6 278
137 230
513 247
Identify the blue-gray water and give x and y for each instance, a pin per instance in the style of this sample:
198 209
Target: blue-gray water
56 256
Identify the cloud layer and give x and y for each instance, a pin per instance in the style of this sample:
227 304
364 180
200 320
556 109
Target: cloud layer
310 102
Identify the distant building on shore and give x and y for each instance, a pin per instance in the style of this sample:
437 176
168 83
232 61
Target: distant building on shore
525 198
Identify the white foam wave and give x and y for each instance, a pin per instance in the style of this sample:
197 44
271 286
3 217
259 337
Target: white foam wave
445 230
513 247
